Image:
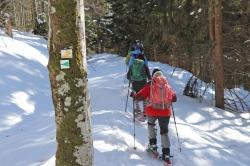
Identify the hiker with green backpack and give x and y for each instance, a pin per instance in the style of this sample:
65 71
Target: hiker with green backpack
138 75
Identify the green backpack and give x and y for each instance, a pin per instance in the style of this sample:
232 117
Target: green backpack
137 70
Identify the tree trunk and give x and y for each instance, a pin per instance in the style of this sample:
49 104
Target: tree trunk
14 10
34 14
69 86
217 54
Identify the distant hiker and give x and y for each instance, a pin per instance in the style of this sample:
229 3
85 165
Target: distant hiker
127 59
8 26
160 96
138 74
136 49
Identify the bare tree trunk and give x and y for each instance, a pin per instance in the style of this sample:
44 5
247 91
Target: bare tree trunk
17 13
14 10
69 86
22 15
217 54
34 14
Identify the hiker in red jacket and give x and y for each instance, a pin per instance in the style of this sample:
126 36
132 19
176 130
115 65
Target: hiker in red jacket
160 111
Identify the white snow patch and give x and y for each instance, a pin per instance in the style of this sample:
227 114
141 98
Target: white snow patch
9 121
195 118
247 41
15 78
103 146
22 100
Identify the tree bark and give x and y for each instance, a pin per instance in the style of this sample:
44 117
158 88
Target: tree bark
69 86
217 54
34 14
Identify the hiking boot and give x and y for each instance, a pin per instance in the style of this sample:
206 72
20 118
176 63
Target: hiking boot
152 147
166 158
152 144
166 151
153 141
166 155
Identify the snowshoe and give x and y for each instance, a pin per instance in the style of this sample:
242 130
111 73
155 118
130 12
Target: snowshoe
166 160
152 150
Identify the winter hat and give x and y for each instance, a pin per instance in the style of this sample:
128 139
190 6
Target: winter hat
158 74
156 70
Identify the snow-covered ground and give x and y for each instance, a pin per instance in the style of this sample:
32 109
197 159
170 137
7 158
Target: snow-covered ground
208 136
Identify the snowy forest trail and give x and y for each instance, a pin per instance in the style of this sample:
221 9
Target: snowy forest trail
205 132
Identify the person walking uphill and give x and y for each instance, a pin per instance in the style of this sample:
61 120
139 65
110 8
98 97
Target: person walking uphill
138 74
160 96
136 49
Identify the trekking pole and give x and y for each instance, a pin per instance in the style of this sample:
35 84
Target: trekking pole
176 128
125 75
127 98
134 120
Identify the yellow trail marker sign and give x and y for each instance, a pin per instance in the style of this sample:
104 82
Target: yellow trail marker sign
66 53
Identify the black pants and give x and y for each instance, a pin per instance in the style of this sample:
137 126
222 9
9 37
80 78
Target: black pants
138 85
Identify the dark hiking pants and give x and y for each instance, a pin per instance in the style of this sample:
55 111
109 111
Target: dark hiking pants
163 124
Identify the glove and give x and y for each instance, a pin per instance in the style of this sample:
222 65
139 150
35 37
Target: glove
174 98
132 94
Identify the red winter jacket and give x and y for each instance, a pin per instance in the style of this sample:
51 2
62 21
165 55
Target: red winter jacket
144 94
